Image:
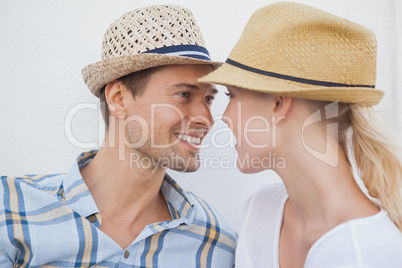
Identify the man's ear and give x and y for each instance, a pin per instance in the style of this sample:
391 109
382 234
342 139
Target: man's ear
114 95
282 106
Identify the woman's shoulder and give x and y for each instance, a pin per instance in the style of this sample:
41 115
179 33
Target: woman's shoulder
260 227
374 241
266 204
272 193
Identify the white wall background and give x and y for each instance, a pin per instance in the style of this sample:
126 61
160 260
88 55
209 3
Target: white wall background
45 44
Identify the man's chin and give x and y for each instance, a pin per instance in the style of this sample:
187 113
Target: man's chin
185 170
186 165
180 163
191 167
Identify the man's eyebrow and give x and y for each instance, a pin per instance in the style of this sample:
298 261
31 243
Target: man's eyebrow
214 91
193 87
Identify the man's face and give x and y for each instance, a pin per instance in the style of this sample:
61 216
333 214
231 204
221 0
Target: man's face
176 113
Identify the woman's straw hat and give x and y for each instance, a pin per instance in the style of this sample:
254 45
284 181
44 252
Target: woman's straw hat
295 50
144 38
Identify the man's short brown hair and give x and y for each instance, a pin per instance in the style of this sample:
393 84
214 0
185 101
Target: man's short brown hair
136 82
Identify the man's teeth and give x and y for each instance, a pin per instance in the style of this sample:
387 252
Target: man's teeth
189 139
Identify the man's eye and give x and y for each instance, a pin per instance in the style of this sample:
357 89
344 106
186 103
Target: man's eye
228 94
209 99
184 94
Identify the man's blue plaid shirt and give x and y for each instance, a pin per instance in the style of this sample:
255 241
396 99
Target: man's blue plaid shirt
53 221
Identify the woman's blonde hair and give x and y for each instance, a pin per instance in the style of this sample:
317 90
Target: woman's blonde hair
376 153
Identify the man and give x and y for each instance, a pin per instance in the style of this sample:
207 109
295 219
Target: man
117 207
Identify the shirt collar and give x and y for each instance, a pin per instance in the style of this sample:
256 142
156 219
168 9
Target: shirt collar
78 197
76 193
180 205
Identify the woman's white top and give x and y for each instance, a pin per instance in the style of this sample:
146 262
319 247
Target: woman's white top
367 242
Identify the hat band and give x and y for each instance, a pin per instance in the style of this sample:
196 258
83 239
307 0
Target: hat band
192 51
292 78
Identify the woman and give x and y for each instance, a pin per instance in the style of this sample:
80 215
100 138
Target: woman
301 86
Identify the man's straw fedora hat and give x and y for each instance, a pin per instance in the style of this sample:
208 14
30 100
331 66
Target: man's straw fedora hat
144 38
295 50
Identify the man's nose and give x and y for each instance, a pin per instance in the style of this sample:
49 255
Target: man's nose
201 116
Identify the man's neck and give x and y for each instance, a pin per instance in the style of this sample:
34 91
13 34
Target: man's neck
127 197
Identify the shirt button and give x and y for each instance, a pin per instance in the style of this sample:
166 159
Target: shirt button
126 254
92 219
